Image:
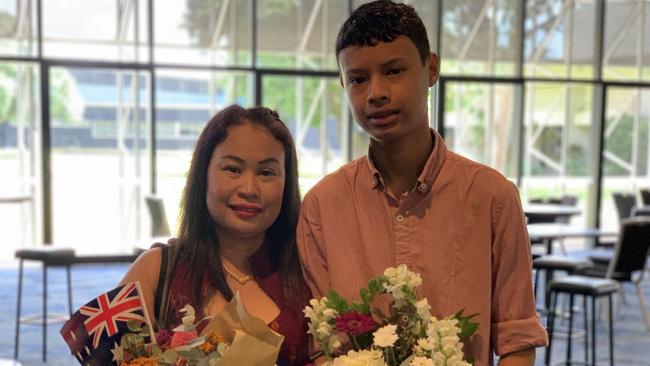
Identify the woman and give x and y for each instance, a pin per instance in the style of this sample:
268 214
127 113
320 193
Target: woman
239 213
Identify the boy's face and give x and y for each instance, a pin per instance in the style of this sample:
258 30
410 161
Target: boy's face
387 87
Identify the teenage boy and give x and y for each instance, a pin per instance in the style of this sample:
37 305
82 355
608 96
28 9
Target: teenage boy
456 222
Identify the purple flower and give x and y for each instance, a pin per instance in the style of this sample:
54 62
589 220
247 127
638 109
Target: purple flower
163 338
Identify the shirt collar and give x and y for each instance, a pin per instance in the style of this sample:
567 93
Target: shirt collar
429 172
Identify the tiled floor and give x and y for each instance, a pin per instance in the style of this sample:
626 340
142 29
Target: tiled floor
632 347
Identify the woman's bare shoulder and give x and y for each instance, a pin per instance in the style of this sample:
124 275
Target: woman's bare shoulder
146 268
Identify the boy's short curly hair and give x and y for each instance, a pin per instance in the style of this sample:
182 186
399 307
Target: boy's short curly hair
383 21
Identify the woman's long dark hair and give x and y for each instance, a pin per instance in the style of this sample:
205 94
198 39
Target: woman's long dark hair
199 245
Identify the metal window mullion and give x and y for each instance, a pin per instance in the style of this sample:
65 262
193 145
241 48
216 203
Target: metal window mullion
520 98
46 169
599 99
153 169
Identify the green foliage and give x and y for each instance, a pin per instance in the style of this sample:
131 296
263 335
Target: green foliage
336 302
7 25
200 16
467 328
7 94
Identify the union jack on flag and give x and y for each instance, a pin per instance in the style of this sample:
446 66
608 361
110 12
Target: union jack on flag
92 332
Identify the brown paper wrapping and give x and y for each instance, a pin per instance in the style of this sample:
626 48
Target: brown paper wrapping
252 342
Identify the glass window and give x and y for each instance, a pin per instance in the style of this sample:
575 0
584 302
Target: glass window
186 100
627 40
104 30
19 155
559 137
100 166
560 38
480 37
206 32
18 28
317 115
480 124
299 34
626 166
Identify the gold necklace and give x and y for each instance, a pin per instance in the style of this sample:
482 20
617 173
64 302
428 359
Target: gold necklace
242 279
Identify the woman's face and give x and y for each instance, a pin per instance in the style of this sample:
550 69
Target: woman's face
245 182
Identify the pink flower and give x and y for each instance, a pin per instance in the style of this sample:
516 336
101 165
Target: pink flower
354 323
183 338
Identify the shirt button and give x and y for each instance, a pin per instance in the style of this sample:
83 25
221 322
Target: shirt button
400 218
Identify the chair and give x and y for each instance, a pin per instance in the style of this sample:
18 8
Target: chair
645 196
624 202
159 225
641 211
628 260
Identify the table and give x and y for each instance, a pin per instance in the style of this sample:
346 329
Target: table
550 231
548 212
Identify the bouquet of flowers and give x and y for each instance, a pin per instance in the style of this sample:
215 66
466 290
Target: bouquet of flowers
182 347
115 328
406 336
228 339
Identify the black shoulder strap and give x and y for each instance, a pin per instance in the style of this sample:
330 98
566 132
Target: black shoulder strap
164 282
161 279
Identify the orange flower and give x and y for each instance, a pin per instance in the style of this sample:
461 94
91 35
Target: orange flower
212 340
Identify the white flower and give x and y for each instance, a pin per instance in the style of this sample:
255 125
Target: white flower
421 361
423 308
425 345
321 317
385 336
335 342
360 358
443 335
324 330
399 277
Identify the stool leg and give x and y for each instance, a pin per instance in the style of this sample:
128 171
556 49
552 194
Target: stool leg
611 332
584 310
550 321
67 269
548 276
593 330
44 312
535 284
20 294
568 348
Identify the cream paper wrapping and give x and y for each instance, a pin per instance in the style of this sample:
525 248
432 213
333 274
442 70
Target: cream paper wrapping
252 342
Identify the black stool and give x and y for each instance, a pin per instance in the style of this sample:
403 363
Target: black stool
585 286
51 257
550 263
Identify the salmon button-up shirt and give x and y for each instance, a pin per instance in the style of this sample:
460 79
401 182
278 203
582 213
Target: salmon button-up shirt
461 227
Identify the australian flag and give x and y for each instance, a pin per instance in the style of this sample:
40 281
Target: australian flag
94 330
